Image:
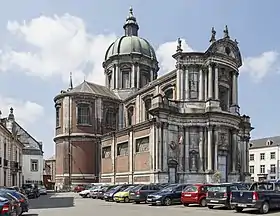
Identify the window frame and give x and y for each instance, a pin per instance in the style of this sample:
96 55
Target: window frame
253 167
83 118
273 166
193 79
262 156
251 157
57 116
32 162
274 155
262 166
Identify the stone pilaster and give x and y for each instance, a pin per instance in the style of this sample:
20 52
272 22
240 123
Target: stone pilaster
133 73
131 156
216 82
234 151
200 149
117 79
210 149
138 76
205 84
165 146
179 87
187 150
210 82
201 85
187 88
216 150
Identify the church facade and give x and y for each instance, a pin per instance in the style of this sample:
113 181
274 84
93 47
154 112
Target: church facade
184 126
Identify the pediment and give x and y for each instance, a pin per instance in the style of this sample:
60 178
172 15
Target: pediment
228 48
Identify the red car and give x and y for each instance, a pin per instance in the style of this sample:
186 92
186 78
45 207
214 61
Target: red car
79 188
194 194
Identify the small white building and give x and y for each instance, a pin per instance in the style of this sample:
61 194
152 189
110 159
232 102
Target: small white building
264 157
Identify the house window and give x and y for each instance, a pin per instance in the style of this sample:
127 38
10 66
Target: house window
145 79
251 157
83 114
262 169
272 155
252 169
193 84
57 110
122 149
262 156
34 165
125 80
169 93
272 168
148 104
142 144
106 152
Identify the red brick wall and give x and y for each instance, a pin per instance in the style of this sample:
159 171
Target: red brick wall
59 154
83 157
106 165
142 161
122 164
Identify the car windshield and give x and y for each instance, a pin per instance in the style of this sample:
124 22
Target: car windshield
129 188
115 188
218 188
27 186
169 188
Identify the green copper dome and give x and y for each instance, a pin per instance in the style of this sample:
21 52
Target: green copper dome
130 43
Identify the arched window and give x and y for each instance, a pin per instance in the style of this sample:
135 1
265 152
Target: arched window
169 93
130 113
110 118
148 105
83 114
224 98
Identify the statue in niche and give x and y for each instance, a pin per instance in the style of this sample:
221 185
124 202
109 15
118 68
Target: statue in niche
223 140
194 140
193 160
173 150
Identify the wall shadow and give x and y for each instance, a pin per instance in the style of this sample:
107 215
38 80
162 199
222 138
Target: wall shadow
47 201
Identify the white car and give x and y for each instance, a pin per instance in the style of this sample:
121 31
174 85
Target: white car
42 190
86 193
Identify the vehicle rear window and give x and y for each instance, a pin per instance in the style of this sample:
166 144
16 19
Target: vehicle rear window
129 188
217 188
262 186
190 188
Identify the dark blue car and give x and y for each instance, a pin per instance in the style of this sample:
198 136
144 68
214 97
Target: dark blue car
167 196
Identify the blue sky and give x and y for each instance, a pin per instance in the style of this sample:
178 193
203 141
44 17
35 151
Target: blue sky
41 41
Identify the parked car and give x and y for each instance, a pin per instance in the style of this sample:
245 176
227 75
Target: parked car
123 196
139 194
194 194
219 194
23 200
79 188
6 207
15 204
262 196
31 190
43 190
101 192
86 193
109 195
167 196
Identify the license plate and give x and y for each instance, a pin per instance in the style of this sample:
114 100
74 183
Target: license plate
149 200
241 205
188 195
214 201
132 193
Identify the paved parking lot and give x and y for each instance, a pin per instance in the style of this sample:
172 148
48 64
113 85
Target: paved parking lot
71 204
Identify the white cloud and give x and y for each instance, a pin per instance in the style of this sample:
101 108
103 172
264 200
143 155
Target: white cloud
259 66
59 45
164 54
26 112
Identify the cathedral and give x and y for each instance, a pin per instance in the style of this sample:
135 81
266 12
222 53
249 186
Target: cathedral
184 126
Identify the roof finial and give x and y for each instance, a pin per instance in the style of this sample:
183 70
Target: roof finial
130 11
11 115
213 36
179 45
226 35
71 82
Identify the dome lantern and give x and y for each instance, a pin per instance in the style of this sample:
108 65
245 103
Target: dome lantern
131 27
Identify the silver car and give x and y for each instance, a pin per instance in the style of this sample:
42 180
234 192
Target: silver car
42 190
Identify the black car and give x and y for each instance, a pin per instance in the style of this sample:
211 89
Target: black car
261 196
109 195
167 196
31 190
219 194
139 193
100 194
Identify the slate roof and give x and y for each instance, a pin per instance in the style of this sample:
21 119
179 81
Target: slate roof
263 142
92 88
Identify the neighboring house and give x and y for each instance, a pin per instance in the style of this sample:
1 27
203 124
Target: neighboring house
49 172
32 154
10 154
264 155
180 127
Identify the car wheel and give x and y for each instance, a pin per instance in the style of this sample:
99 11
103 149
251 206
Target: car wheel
264 208
126 199
210 207
186 204
203 202
238 209
167 201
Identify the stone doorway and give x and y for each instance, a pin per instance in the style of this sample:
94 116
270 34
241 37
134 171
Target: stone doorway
172 171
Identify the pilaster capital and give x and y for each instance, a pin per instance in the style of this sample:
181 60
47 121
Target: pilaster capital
165 125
